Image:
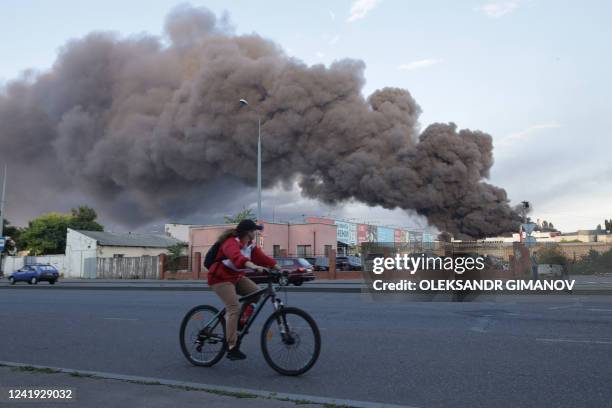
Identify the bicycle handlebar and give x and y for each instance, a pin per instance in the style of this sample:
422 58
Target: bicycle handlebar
275 273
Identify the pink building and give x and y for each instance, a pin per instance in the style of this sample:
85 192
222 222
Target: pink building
310 239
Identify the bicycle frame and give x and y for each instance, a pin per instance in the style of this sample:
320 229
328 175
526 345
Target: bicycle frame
269 293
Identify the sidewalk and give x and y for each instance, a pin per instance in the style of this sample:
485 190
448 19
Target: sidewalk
347 285
585 284
93 392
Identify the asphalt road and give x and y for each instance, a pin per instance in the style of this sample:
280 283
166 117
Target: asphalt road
523 351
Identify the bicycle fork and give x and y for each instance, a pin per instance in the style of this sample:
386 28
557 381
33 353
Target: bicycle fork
283 326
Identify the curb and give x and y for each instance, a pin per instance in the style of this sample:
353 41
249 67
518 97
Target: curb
290 289
296 398
171 288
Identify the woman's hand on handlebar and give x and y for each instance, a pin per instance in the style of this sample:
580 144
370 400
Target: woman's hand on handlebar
255 267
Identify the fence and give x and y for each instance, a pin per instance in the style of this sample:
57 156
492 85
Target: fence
12 263
179 264
144 267
514 257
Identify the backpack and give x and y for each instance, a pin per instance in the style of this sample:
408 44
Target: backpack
211 255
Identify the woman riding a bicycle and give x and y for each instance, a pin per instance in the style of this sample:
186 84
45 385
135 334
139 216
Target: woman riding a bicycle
236 254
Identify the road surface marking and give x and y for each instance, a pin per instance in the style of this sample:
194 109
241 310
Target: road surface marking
575 341
120 318
600 310
212 388
560 307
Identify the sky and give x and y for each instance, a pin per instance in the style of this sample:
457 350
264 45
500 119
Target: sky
534 74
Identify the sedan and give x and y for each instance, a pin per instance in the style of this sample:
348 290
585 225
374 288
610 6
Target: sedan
33 274
294 271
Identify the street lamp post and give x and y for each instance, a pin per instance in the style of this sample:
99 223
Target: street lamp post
246 103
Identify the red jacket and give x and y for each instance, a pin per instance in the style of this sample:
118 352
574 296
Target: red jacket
230 249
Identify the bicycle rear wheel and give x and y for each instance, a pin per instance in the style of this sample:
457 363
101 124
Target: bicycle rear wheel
290 341
201 345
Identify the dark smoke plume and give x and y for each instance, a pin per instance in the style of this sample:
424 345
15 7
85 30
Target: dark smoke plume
152 127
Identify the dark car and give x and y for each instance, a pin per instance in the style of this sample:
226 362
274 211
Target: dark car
319 263
294 271
348 263
33 274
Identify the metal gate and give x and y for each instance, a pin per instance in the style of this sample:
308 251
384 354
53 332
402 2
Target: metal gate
89 268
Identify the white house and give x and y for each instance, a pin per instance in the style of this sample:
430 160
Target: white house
84 247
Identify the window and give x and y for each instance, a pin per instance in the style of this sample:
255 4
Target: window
303 262
276 251
327 249
117 255
304 250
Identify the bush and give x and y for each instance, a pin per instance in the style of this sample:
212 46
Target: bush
175 253
594 262
552 255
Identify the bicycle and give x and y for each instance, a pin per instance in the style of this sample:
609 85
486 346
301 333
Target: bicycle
289 333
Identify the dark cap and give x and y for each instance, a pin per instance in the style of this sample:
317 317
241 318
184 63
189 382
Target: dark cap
248 225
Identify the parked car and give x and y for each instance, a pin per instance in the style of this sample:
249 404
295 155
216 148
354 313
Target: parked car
319 263
34 274
348 263
550 271
294 271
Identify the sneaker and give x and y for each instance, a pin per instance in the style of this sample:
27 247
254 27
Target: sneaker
236 354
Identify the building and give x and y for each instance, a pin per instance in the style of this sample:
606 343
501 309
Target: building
349 235
277 239
585 236
179 231
313 237
83 248
540 236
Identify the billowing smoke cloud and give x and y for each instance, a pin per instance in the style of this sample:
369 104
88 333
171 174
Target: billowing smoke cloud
152 127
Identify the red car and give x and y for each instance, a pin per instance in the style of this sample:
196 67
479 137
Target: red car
295 271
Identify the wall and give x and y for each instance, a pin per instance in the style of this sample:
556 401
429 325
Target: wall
106 251
13 263
317 235
202 238
178 231
576 250
287 236
79 247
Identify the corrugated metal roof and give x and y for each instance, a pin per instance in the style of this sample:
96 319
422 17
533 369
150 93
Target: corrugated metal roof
130 239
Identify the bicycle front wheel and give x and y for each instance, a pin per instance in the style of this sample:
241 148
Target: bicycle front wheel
290 341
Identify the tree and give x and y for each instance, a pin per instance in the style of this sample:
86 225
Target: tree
175 253
245 214
46 235
13 233
552 255
84 218
547 226
608 224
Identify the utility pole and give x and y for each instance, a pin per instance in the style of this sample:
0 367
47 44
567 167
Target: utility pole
259 169
2 200
244 102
